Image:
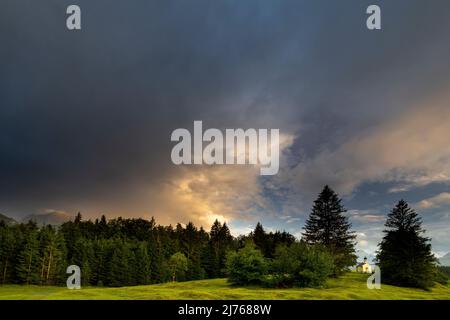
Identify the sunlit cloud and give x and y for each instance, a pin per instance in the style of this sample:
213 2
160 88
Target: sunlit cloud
437 201
354 112
411 149
205 193
366 216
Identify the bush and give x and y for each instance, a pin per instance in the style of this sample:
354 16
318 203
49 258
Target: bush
277 280
247 266
301 265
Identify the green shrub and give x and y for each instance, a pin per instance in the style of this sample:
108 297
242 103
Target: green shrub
246 266
301 265
277 280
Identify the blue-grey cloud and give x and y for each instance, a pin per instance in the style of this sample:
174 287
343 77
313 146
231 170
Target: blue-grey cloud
85 117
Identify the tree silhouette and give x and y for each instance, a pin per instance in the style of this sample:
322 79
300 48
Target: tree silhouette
404 255
328 226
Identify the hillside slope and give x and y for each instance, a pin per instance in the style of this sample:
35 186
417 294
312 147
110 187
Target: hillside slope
51 218
349 286
9 221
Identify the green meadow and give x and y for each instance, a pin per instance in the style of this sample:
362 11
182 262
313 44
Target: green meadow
349 286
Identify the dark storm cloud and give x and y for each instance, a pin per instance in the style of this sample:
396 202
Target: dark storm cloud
86 116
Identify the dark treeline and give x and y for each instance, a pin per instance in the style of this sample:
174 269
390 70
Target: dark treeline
126 252
122 252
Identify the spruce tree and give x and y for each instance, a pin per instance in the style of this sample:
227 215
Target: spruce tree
140 269
404 255
27 268
214 250
327 225
260 238
156 259
51 255
7 251
225 242
119 265
100 266
83 256
219 243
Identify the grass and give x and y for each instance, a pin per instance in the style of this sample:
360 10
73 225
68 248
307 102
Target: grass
349 286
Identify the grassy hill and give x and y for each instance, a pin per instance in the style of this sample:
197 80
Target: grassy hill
350 286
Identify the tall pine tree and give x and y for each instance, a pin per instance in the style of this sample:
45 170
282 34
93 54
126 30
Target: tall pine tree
51 256
404 255
260 238
7 251
328 226
27 268
119 265
140 269
219 242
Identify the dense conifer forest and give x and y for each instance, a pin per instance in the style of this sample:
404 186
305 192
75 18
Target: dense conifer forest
128 252
120 252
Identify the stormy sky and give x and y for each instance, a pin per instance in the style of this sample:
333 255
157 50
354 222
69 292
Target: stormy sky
86 116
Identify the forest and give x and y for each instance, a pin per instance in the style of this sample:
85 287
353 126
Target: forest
120 252
129 252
